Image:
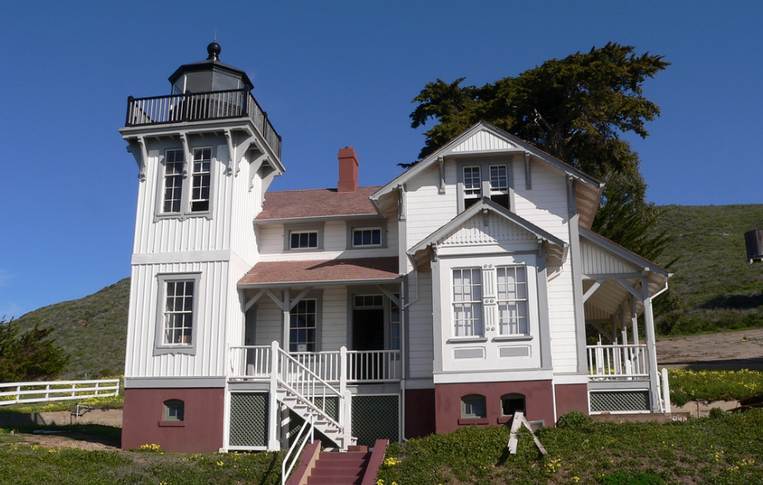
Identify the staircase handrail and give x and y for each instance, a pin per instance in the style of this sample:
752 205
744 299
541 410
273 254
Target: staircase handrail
297 446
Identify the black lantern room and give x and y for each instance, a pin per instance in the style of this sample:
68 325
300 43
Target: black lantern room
209 75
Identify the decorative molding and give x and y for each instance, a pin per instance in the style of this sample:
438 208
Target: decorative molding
441 181
232 165
188 158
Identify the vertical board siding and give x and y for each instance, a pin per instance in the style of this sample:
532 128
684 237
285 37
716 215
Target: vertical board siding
561 316
210 322
427 209
334 319
599 261
420 333
545 205
483 141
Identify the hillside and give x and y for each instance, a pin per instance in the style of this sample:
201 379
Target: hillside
713 287
91 329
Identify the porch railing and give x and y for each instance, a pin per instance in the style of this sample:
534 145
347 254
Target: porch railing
360 366
617 361
212 105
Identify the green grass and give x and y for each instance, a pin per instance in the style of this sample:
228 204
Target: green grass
114 402
726 449
22 463
716 289
706 385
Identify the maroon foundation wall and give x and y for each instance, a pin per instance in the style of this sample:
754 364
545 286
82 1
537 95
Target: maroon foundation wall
200 431
419 412
539 402
571 397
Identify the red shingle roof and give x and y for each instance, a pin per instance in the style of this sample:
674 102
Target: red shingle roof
291 204
339 270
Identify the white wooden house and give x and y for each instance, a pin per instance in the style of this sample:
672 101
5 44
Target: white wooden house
451 296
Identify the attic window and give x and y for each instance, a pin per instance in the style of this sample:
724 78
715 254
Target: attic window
303 239
499 184
472 185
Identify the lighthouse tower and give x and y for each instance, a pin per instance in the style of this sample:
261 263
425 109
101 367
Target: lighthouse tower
206 154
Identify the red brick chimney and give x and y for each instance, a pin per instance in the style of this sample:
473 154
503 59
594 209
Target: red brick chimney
348 170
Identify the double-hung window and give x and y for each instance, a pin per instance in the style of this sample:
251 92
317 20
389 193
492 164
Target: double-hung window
200 179
512 300
472 185
499 184
366 237
467 302
303 239
302 325
174 161
177 317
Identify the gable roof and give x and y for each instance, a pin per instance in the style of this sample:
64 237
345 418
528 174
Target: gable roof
294 205
521 146
554 246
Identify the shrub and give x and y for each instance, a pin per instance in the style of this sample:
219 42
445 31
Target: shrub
704 385
575 420
28 356
716 413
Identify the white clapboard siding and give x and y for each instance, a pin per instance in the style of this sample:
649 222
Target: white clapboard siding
599 261
167 235
210 322
483 140
561 316
420 333
427 209
333 330
545 204
497 230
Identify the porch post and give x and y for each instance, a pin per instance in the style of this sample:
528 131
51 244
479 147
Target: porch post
343 416
634 320
286 309
651 348
273 421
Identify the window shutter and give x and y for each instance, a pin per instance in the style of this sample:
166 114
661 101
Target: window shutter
489 306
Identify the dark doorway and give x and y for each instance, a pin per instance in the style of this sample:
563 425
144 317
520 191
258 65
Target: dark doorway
368 329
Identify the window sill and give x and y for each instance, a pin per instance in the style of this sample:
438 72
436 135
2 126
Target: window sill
185 349
504 419
472 421
465 340
181 216
512 338
171 424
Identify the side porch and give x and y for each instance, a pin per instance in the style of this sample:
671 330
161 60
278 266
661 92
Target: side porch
618 288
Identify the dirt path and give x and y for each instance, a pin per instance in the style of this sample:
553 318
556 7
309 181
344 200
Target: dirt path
742 349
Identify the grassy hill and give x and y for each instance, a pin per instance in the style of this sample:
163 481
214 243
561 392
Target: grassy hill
91 329
713 288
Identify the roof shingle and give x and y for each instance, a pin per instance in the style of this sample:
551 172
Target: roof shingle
321 271
295 204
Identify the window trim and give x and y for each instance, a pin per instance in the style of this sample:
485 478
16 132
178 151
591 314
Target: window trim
353 225
160 348
308 227
316 295
526 300
185 200
480 302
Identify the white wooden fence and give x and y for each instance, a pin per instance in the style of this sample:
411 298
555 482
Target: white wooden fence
37 392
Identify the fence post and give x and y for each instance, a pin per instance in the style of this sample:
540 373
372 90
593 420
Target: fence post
666 392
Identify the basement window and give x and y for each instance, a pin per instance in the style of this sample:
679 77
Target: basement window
512 403
174 410
473 406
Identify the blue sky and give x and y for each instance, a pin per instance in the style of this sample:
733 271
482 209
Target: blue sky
329 74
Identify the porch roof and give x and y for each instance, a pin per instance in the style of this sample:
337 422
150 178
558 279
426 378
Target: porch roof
332 271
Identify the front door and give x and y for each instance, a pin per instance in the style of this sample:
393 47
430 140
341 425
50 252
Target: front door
368 322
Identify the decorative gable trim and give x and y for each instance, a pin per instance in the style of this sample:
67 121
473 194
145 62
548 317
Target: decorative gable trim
488 229
484 140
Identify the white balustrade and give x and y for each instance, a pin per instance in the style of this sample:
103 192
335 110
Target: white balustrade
250 361
617 361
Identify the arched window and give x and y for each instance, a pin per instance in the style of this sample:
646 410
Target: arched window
511 403
174 410
473 406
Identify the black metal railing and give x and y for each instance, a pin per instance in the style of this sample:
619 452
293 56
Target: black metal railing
212 105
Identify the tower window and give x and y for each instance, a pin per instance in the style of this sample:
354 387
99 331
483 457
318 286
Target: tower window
178 312
200 180
174 410
173 181
473 406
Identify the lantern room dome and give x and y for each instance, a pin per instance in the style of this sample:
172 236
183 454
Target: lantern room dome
209 75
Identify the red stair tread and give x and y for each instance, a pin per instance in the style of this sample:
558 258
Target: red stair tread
333 468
